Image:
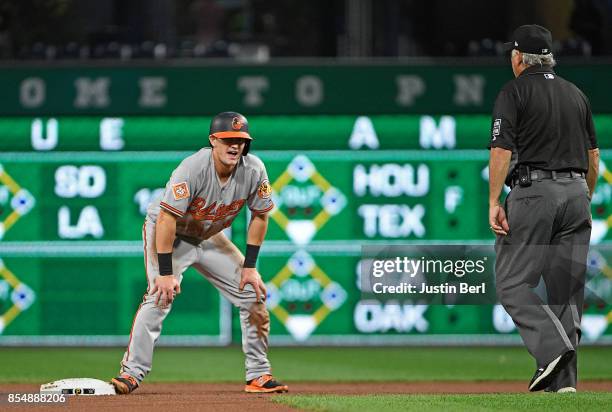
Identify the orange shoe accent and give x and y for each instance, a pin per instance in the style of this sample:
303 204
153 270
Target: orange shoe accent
265 384
124 384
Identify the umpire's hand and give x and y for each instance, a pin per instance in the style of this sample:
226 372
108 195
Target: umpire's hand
497 220
165 286
251 277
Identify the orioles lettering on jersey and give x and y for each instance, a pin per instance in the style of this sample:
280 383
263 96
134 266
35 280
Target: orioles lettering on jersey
200 211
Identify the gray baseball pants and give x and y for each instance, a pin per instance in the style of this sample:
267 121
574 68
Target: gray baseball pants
218 260
550 229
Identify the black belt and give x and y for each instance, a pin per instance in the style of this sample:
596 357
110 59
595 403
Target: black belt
550 174
191 240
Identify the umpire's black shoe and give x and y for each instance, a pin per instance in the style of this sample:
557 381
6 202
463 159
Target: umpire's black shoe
544 376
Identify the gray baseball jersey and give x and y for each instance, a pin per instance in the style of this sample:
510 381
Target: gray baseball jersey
203 207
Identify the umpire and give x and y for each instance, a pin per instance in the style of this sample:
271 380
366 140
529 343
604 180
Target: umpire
543 146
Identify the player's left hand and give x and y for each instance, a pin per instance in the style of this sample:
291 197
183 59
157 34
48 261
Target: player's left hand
164 289
498 220
250 276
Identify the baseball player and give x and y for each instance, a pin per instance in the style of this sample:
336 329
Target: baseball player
183 228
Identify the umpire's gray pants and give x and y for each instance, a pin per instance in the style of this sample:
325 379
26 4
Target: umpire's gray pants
550 229
220 261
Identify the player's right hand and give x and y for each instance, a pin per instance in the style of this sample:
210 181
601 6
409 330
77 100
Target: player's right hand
165 286
497 220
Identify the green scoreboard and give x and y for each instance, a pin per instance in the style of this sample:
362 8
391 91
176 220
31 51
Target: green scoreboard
74 189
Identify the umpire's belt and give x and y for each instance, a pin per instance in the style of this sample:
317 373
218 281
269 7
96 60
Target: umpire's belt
538 174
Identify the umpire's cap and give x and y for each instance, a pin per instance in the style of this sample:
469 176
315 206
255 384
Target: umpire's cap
229 125
531 38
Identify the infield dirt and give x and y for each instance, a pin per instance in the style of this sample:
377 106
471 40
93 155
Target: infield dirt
229 398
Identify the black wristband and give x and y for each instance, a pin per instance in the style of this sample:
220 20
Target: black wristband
165 263
250 257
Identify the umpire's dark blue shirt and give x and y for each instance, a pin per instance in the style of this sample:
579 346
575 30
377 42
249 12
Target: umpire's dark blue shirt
545 120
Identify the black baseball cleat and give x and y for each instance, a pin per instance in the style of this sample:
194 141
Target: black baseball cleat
124 384
544 376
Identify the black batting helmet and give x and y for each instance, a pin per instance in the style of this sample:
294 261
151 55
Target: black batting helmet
228 125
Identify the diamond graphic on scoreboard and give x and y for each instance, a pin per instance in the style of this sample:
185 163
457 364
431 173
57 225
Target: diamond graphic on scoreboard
301 168
333 201
300 231
597 294
305 200
593 326
15 201
598 283
602 217
333 296
18 300
23 297
300 326
596 263
299 285
301 264
272 296
22 202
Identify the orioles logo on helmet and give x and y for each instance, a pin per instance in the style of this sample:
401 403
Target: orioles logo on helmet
236 123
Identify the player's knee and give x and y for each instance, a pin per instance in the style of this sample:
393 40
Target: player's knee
260 308
247 296
260 318
150 301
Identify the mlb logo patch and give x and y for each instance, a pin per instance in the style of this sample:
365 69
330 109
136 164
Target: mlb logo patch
180 191
549 76
496 128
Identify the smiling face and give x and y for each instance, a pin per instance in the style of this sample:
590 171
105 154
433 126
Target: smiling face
227 151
